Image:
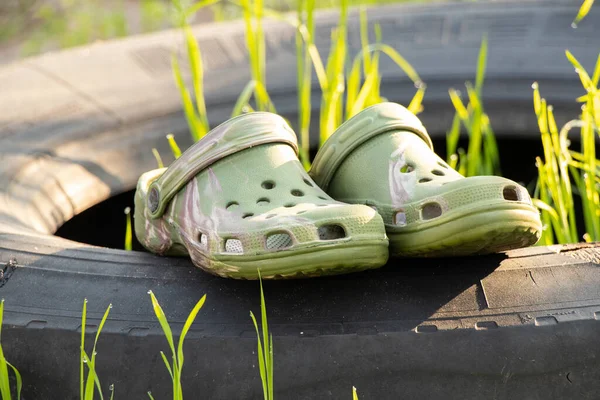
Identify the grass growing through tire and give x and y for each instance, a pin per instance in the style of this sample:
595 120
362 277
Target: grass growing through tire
564 172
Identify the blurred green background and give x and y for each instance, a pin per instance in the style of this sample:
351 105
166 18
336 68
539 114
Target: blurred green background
29 27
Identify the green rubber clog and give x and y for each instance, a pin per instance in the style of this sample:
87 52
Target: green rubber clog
383 157
239 200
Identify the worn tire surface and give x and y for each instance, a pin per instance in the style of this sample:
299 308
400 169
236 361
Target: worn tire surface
78 126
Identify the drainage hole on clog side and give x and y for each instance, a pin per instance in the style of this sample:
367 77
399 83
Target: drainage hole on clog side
423 180
438 172
278 240
309 183
297 193
510 193
431 211
301 212
234 246
331 232
406 168
247 215
268 185
400 218
203 239
232 205
441 164
263 201
289 205
270 216
322 198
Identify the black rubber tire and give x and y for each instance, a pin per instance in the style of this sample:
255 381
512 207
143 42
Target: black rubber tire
79 126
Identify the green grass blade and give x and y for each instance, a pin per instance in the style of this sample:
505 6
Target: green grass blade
128 235
162 319
82 350
583 12
586 81
261 359
4 381
150 396
158 158
197 70
164 358
596 74
89 383
354 393
188 107
481 65
186 327
416 104
17 377
174 147
243 99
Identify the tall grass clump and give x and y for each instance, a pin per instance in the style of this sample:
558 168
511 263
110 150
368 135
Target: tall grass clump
346 87
5 391
481 156
88 385
564 172
176 365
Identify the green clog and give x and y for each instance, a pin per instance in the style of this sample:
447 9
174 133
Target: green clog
383 157
239 200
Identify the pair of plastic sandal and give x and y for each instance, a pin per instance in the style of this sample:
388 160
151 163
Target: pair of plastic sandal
239 200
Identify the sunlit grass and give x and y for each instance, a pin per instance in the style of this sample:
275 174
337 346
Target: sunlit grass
264 347
481 156
176 365
564 172
343 92
128 233
90 384
584 10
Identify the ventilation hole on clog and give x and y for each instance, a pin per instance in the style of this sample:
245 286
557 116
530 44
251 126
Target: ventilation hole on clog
301 212
268 185
289 205
400 218
431 211
331 232
279 241
510 193
406 168
423 180
262 201
234 246
203 239
322 198
441 164
438 172
309 183
270 216
297 193
232 205
247 215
